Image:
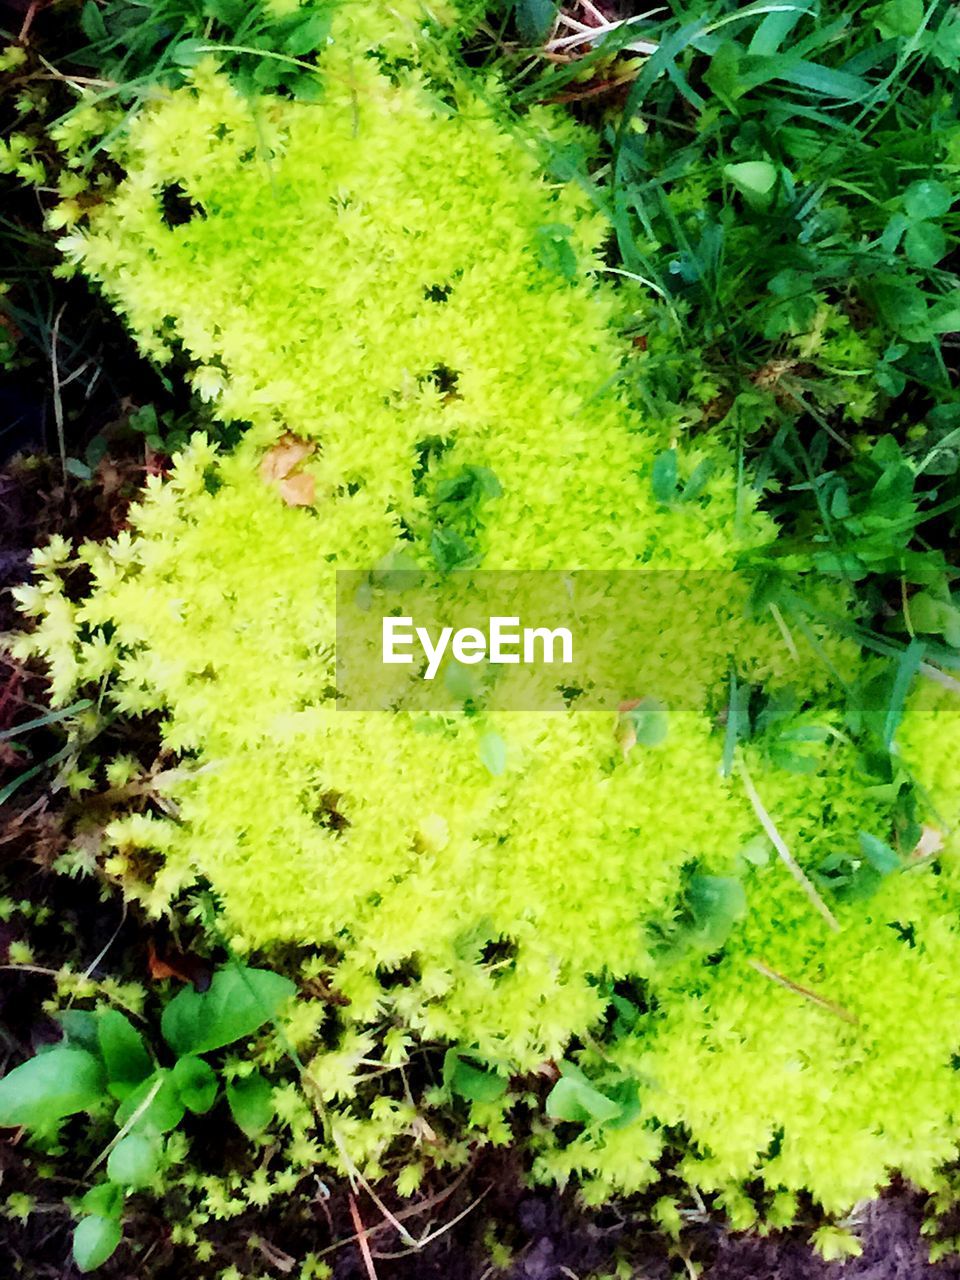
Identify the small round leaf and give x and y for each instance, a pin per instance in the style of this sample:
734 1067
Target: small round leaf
95 1239
134 1161
196 1083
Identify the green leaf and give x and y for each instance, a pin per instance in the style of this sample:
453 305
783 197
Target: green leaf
554 251
831 82
80 1029
879 854
105 1200
49 1087
237 1003
196 1083
908 664
493 753
124 1052
944 317
754 179
309 35
899 18
251 1103
95 1239
188 53
467 1081
471 483
628 1015
535 18
927 199
757 851
165 1110
91 22
229 12
904 308
716 904
649 722
574 1098
925 244
698 480
663 477
450 549
307 87
135 1160
775 28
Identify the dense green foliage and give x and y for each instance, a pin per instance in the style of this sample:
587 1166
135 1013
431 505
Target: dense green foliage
407 322
104 1061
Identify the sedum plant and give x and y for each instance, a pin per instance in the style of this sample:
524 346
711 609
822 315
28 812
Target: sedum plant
737 923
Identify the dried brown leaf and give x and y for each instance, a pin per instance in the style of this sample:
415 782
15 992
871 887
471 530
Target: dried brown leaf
298 490
286 454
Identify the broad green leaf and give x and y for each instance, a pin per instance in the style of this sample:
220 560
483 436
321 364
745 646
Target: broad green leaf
91 22
463 1078
309 35
831 82
80 1029
105 1200
716 904
945 317
163 1113
556 254
124 1052
135 1160
899 17
237 1003
450 549
229 12
49 1087
752 176
904 307
879 854
628 1015
663 477
775 28
757 851
699 478
251 1103
893 232
925 244
307 87
754 179
927 199
575 1099
935 617
95 1239
908 664
196 1083
649 722
190 52
493 753
535 17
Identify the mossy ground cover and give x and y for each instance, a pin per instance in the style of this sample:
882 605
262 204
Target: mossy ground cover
522 288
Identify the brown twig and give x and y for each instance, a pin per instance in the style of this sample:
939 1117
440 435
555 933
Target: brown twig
362 1238
411 1211
27 22
783 981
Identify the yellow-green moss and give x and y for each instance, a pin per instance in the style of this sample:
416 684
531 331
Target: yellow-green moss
372 274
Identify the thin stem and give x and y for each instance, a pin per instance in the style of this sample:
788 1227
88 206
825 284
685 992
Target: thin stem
786 856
